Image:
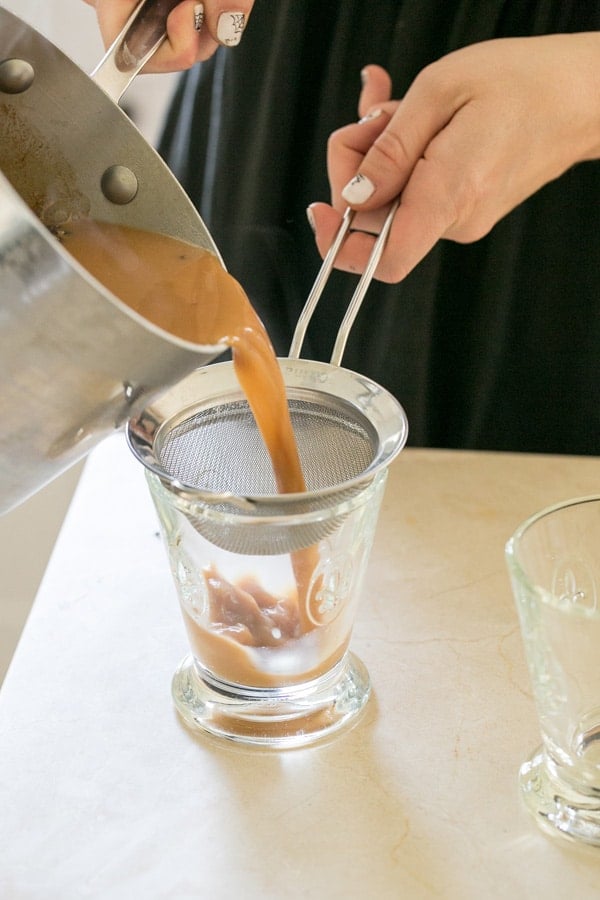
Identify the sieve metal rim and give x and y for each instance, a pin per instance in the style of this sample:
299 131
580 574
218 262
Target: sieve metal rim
305 379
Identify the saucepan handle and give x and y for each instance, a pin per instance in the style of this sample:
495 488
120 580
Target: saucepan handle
142 35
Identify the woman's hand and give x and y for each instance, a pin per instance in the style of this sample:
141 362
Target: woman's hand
194 30
477 133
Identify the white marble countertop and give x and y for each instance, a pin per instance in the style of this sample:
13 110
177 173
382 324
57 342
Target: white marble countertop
104 794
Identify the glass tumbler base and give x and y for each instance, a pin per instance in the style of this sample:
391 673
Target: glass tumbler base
558 809
277 718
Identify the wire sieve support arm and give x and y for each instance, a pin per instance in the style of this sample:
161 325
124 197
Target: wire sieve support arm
359 294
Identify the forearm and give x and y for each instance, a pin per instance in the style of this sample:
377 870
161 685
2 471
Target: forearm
586 51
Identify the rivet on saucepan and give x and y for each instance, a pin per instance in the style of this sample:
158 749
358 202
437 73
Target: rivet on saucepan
119 184
16 76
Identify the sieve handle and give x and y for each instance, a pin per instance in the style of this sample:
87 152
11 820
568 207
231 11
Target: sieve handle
362 286
359 294
140 38
319 285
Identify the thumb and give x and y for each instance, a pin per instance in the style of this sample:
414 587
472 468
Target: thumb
377 88
384 169
389 161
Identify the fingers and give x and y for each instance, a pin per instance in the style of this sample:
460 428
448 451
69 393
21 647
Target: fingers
377 88
186 43
194 29
347 148
384 155
386 165
355 250
426 214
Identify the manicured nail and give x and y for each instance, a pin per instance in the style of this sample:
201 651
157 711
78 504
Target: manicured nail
198 16
311 219
374 114
364 76
358 190
230 28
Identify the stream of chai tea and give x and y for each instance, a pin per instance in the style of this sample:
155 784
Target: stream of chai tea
186 291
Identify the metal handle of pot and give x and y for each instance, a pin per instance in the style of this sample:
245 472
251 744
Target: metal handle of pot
140 38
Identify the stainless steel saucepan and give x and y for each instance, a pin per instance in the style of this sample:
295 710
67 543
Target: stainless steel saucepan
75 362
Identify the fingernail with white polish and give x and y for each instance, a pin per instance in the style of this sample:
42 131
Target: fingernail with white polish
311 219
198 16
358 190
374 114
230 28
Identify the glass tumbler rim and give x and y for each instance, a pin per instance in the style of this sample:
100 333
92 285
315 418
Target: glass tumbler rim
250 515
512 544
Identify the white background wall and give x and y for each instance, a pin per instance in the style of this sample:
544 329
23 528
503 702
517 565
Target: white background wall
27 534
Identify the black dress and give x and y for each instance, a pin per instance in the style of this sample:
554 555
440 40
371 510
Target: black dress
492 345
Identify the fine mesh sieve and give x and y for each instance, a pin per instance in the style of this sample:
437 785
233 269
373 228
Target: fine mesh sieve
204 449
210 458
201 442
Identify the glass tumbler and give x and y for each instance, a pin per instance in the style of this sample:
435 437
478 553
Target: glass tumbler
554 564
269 632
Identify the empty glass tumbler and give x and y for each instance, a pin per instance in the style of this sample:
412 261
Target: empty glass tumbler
554 564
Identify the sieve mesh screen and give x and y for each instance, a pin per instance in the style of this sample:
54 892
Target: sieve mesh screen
220 449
